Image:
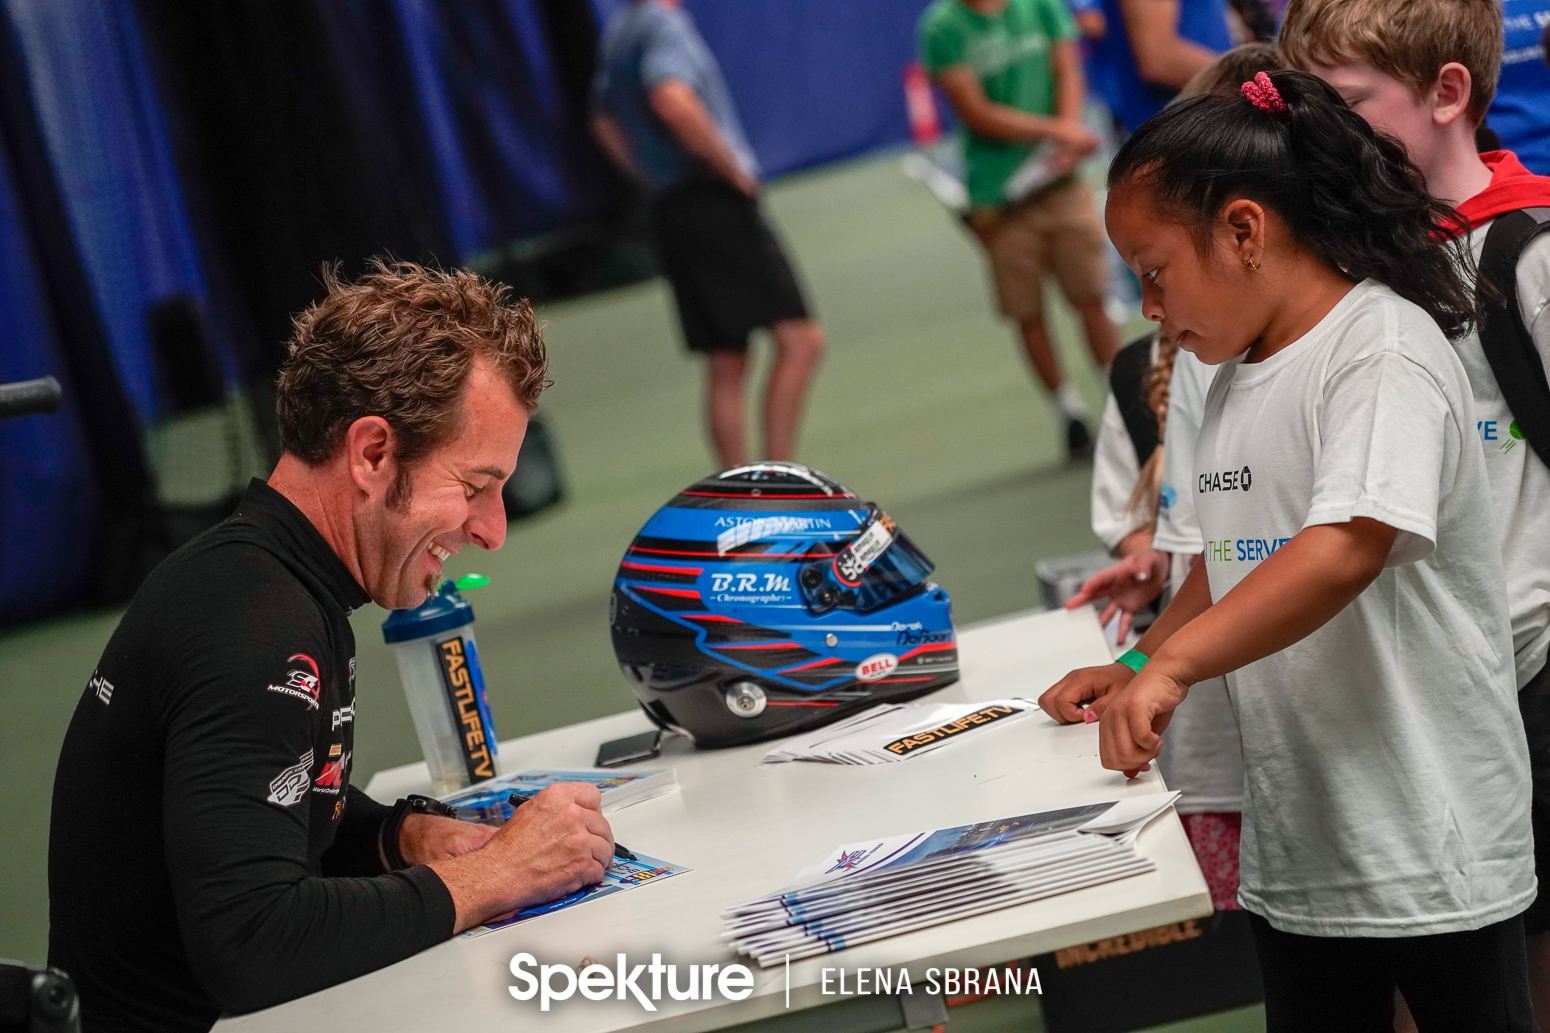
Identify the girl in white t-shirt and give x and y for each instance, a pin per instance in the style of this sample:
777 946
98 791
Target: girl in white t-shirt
1351 587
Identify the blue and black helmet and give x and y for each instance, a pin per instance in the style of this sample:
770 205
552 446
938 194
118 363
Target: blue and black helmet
770 599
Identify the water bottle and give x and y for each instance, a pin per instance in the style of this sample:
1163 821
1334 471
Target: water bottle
439 665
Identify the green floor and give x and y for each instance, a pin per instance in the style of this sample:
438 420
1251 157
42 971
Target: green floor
924 405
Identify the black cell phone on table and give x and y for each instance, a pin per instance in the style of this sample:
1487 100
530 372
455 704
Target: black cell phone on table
631 748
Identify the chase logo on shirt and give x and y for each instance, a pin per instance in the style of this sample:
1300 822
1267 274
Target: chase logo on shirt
1226 480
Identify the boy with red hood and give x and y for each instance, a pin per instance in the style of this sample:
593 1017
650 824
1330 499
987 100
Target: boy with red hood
1424 71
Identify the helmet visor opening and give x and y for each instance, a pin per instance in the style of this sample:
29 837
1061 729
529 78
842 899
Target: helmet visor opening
874 568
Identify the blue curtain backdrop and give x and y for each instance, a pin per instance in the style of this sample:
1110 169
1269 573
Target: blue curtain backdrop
103 126
814 80
512 158
49 506
95 196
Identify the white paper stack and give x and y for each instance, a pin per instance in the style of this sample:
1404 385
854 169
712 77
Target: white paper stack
896 884
894 731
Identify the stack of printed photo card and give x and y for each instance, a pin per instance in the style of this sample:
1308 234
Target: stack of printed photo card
894 731
896 884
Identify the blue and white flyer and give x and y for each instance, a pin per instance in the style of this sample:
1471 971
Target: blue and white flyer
622 875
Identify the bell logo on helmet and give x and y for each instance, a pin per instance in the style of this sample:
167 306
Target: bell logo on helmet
876 667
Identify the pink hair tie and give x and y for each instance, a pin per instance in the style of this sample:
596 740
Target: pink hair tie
1262 93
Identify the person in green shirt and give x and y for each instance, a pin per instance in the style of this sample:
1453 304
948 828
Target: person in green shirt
1012 73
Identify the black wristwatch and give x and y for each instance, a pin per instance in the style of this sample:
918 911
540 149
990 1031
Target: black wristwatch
388 853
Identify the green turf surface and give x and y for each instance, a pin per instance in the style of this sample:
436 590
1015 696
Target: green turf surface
924 404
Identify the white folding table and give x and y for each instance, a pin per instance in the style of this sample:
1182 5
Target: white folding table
747 829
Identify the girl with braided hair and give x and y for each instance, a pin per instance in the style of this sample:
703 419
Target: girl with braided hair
1151 528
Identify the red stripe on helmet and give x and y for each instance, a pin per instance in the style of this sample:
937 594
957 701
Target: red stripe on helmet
683 593
763 645
668 570
930 647
815 663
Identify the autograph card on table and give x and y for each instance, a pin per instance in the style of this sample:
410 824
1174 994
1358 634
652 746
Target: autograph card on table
624 875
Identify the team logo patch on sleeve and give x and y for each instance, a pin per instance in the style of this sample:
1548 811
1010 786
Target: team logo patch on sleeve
290 786
303 680
334 776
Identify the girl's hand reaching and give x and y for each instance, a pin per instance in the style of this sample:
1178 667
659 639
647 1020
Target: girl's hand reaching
1129 585
1083 694
1131 726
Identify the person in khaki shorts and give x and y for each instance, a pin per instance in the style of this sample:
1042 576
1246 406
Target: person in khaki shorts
1011 70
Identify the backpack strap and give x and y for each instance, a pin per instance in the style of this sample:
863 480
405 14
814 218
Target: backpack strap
1515 362
1127 379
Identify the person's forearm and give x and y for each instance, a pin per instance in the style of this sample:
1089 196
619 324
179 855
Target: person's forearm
474 894
1192 599
1000 122
610 136
1070 83
1134 542
1290 595
1162 56
1174 62
270 942
680 110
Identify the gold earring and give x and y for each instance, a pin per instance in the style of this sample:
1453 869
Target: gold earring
1253 265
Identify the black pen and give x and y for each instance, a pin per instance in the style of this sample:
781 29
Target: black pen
620 850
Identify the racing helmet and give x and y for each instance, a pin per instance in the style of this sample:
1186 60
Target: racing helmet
770 599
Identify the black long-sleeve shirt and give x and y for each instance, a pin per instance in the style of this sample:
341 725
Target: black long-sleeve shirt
207 853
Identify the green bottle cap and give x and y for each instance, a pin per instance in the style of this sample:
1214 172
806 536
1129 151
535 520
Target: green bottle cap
468 581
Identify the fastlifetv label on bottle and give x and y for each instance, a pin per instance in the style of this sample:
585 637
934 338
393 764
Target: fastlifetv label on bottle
453 662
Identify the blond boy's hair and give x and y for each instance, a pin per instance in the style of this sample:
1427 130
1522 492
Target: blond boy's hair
1408 39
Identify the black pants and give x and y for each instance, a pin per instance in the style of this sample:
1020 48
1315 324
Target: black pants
1470 982
1534 705
729 273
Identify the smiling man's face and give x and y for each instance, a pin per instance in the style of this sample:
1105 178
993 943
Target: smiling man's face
450 498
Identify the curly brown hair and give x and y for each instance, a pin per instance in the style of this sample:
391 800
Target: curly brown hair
400 343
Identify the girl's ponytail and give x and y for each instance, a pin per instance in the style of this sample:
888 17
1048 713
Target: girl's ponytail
1348 194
